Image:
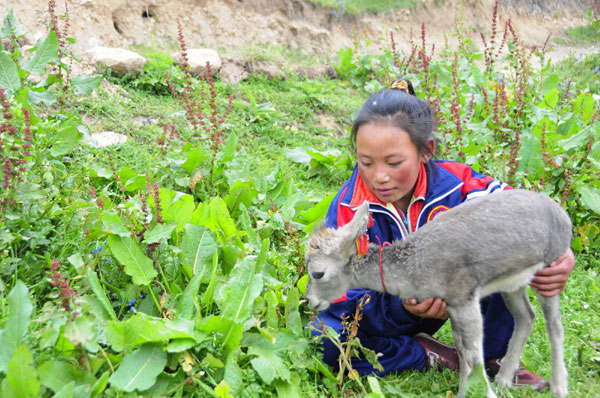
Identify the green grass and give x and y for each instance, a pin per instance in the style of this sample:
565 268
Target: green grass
354 7
580 35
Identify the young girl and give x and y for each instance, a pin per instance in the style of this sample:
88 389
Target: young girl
406 188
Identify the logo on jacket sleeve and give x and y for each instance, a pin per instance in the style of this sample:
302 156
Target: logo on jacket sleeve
435 211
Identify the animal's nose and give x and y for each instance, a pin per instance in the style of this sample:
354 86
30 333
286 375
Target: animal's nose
317 275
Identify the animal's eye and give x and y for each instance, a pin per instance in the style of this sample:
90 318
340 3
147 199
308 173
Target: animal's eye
318 275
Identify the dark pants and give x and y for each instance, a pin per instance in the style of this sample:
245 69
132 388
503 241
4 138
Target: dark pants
399 351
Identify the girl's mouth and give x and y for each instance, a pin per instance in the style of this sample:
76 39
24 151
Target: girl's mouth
385 192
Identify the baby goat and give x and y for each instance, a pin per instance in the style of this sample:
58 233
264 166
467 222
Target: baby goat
492 244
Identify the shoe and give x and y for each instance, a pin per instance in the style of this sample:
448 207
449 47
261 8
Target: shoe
523 377
439 355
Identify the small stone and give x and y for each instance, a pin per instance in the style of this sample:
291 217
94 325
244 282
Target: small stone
104 139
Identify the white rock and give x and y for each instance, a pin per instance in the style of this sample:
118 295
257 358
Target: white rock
104 139
197 59
117 59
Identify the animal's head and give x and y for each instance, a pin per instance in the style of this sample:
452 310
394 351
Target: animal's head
328 253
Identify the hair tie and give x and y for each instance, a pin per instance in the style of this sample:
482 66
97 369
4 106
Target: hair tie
400 85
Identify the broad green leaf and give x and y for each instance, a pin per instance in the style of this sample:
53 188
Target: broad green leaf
197 247
292 315
298 155
113 223
585 106
314 215
272 305
176 206
159 233
67 137
19 316
9 74
551 99
576 140
133 181
222 390
289 389
215 216
55 375
551 82
138 370
237 296
66 392
194 159
248 227
47 51
208 296
375 387
268 365
229 333
242 192
22 378
6 236
185 306
531 157
46 97
142 328
100 384
325 157
180 345
76 261
87 84
100 294
82 331
221 218
136 264
233 374
590 198
229 151
301 284
10 26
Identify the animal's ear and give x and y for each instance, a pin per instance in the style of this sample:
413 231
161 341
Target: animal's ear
357 226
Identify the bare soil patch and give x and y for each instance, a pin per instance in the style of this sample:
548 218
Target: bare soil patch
229 25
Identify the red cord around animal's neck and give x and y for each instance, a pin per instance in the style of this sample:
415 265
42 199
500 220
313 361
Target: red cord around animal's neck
381 261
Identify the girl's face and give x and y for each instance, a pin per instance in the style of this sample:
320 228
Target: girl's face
388 162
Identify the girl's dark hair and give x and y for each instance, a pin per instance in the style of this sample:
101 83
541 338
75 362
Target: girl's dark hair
398 106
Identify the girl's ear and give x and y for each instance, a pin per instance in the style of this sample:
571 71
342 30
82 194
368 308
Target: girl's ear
429 150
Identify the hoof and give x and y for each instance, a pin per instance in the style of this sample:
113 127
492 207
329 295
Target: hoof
559 391
503 381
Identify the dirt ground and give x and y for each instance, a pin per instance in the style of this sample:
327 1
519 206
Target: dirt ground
228 25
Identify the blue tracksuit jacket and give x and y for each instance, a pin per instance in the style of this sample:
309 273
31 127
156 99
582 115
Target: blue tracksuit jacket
386 327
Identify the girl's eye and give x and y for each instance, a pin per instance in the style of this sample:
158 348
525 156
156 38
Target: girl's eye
365 164
394 164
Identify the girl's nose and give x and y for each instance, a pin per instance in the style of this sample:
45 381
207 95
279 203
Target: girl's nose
381 176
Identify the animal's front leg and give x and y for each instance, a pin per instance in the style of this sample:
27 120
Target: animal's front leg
467 329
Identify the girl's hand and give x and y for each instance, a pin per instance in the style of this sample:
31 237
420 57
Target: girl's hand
552 280
428 308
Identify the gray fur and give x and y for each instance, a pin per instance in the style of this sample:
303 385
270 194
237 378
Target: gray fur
492 244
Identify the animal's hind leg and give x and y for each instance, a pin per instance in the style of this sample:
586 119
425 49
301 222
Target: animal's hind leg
554 328
518 304
467 329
